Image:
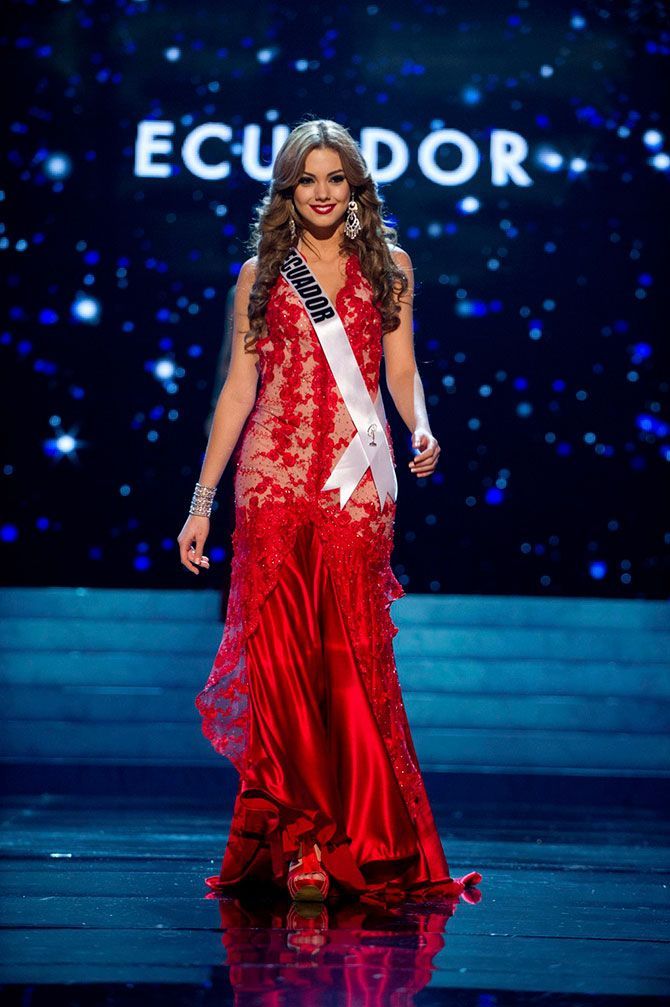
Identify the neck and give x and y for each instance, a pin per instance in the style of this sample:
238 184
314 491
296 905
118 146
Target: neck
322 242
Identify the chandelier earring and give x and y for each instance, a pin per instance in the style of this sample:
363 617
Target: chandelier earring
353 223
291 227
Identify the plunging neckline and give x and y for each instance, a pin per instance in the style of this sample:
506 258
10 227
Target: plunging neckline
347 277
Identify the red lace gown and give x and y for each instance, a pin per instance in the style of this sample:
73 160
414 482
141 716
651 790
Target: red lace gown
303 697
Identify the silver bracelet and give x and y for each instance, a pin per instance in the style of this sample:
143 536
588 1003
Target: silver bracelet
203 497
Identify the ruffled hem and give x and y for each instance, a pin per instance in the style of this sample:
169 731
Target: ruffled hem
384 893
257 857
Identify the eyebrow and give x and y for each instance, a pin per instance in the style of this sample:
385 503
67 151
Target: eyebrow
336 171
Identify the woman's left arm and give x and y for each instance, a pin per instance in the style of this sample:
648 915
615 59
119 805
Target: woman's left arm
403 380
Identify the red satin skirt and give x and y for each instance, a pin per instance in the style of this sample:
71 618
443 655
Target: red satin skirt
319 767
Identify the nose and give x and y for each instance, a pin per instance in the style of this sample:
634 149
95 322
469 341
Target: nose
321 191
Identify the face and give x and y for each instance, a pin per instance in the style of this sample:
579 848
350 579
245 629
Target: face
322 193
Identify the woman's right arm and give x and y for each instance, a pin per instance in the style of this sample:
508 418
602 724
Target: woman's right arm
238 394
235 402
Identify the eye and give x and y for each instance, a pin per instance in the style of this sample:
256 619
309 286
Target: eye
336 179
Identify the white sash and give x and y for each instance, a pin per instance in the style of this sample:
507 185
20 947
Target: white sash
368 417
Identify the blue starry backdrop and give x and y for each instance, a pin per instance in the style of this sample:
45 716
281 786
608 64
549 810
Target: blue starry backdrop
522 151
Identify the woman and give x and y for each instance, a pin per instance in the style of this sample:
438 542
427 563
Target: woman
303 697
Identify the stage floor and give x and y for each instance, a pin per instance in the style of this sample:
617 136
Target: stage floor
103 901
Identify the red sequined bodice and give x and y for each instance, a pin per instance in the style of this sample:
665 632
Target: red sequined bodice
300 426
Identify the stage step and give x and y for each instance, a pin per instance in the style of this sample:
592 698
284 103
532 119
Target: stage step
491 684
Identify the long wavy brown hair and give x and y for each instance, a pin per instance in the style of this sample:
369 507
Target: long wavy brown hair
271 235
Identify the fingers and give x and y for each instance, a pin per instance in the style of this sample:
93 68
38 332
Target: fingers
196 558
192 558
191 540
424 463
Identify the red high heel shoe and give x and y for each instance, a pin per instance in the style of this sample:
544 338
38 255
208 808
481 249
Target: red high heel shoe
308 881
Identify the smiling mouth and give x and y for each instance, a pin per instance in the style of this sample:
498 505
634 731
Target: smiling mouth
324 209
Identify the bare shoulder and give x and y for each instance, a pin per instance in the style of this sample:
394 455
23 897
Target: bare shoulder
404 263
401 257
247 273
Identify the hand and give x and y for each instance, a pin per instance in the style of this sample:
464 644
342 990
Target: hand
423 463
191 541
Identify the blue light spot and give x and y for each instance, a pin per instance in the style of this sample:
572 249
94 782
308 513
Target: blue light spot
65 444
549 159
42 523
493 495
590 115
641 351
44 366
86 309
653 139
652 424
471 95
598 569
471 309
141 562
48 316
469 204
164 369
9 533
